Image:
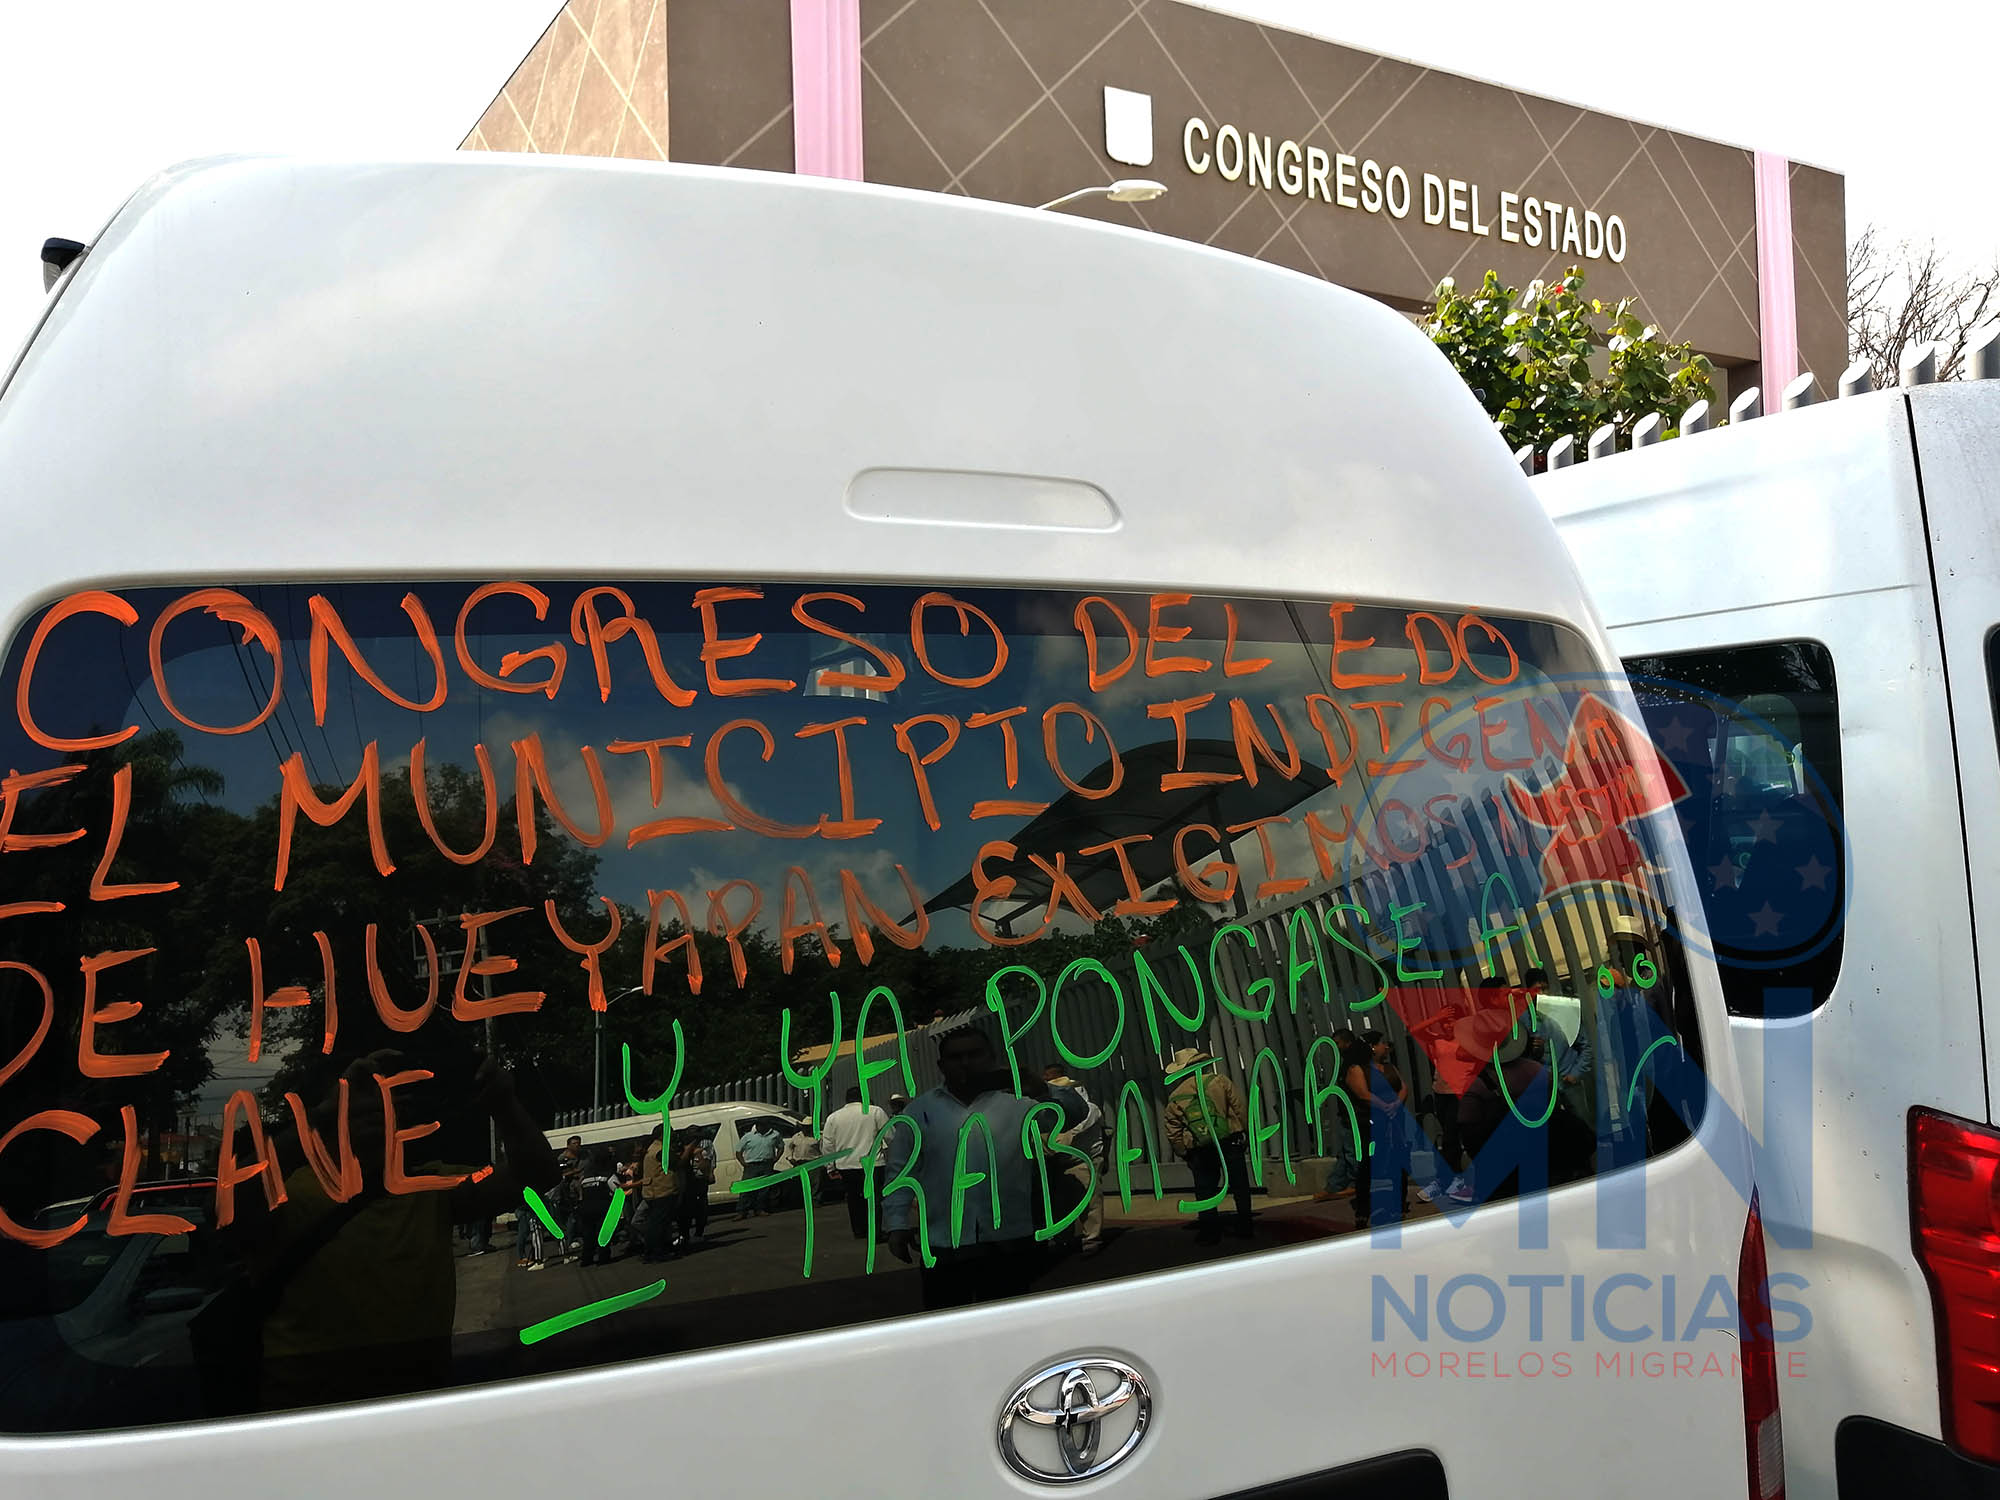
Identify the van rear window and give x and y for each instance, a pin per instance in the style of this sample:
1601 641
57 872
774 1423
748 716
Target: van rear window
395 979
1754 733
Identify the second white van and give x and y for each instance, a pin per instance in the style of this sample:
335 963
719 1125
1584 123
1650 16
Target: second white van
1807 604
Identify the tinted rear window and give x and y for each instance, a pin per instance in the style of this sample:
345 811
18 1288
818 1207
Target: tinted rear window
1093 898
1754 734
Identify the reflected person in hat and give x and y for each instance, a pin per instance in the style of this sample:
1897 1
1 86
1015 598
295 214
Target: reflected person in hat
1205 1126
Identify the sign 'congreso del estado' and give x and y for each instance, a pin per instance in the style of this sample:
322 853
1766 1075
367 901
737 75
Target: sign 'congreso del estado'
1339 178
1378 173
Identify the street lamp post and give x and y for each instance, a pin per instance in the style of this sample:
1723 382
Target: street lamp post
1124 190
597 1029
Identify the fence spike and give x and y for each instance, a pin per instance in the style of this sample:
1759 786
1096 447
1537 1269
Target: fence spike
1525 457
1919 366
1856 380
1802 391
1747 407
1563 453
1649 430
1694 419
1604 441
1982 354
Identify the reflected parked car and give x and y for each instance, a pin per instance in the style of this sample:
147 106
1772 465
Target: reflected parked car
114 1323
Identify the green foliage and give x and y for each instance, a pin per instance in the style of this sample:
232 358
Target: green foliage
171 833
1549 362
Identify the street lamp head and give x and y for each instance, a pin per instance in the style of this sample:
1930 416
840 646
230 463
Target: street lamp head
1124 190
1135 190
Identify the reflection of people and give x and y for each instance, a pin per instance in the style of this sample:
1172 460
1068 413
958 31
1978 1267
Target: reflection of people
1345 1170
1357 1067
571 1163
597 1187
1379 1051
757 1151
1632 994
1511 1082
1434 1033
1205 1125
1395 1130
629 1158
1378 1101
1088 1137
1572 1057
852 1136
800 1146
530 1245
979 1185
695 1170
358 1298
658 1192
1495 1012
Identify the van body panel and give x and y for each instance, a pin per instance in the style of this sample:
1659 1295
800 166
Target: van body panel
267 371
1958 438
1833 1176
1811 525
1303 1315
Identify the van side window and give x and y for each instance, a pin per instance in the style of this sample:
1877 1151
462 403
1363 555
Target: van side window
1024 939
1754 733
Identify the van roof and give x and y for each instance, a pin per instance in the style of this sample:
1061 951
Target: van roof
625 1126
412 362
1804 504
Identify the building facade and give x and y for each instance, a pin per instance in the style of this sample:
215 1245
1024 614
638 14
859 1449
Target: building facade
1379 174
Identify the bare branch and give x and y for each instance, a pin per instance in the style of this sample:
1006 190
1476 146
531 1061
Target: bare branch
1904 294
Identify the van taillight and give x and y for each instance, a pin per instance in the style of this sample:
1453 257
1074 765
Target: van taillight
1955 1224
1762 1431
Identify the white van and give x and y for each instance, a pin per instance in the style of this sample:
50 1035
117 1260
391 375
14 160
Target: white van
1807 605
723 1123
821 609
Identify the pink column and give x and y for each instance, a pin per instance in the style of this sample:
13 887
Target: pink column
1777 297
826 87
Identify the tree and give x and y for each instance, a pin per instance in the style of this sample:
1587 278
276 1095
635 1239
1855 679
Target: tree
1532 360
332 887
1903 295
163 940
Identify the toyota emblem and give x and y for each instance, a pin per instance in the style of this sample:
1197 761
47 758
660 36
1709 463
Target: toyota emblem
1075 1420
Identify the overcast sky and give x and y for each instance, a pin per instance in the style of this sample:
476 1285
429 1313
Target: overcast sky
93 101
